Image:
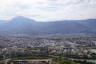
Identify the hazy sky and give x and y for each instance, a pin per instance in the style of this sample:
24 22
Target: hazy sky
48 10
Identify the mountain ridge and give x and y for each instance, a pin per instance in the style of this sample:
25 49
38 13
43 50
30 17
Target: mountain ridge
23 25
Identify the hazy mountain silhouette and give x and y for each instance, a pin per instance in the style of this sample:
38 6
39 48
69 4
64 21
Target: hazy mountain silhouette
24 25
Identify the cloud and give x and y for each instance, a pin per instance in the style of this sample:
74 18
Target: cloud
48 10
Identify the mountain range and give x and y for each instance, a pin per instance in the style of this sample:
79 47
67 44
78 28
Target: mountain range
22 25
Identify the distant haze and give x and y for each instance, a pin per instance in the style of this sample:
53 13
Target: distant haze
48 10
26 26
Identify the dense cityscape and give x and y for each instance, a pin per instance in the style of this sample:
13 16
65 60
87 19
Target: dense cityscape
24 49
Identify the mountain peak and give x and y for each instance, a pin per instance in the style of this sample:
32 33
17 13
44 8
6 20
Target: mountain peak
19 17
22 18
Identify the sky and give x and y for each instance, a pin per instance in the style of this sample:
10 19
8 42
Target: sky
48 10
